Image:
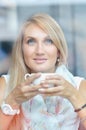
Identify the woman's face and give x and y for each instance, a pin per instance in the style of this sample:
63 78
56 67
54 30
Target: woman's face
40 53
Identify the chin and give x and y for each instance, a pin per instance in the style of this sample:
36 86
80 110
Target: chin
40 70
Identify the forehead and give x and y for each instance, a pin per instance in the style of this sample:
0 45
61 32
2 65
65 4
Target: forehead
33 29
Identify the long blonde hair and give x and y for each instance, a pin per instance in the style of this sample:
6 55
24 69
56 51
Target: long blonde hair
52 28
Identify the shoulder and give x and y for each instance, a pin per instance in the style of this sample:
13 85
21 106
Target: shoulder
2 88
82 88
2 83
83 85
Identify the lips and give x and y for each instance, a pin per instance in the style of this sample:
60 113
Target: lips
40 60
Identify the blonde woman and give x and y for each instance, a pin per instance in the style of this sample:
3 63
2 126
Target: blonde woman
40 48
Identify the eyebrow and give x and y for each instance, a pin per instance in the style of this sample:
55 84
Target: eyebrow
26 37
35 37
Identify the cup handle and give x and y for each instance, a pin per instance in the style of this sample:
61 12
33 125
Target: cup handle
27 75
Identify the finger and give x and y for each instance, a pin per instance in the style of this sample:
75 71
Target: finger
51 94
58 77
30 95
51 90
53 82
30 88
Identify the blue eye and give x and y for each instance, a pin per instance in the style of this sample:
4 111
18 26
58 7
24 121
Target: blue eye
48 41
31 41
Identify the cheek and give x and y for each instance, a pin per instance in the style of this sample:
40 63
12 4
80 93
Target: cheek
27 57
54 57
54 53
26 53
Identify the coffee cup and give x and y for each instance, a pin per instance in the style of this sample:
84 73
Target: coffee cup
41 78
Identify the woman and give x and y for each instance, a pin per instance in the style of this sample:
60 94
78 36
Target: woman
41 47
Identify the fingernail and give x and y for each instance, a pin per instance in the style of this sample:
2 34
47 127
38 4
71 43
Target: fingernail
41 89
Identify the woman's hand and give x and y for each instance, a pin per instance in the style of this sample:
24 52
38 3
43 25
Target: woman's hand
23 92
61 87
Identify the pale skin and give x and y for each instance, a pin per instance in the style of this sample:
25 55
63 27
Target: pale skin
38 56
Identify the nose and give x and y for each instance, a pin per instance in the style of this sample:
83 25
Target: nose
39 49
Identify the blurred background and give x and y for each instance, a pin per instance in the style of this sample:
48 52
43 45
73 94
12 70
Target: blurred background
70 14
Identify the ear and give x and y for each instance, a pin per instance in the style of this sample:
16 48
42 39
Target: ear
58 57
58 54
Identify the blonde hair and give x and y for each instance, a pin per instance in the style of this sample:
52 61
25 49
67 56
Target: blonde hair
52 28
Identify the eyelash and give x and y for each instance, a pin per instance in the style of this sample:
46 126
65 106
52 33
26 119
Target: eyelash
48 41
30 41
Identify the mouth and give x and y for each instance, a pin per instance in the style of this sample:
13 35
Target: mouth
40 60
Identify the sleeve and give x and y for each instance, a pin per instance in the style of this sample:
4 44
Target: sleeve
10 122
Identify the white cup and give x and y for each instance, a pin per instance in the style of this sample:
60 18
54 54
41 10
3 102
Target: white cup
41 78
